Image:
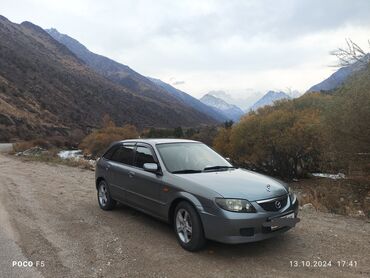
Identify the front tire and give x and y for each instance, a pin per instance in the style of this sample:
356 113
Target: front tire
105 200
188 227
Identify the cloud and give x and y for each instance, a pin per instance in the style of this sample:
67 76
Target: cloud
229 45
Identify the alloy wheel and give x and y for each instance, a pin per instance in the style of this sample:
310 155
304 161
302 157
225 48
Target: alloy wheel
103 195
184 226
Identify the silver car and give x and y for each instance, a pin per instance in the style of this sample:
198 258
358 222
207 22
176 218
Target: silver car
196 190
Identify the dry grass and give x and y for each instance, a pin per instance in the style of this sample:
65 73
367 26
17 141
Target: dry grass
25 145
52 158
346 197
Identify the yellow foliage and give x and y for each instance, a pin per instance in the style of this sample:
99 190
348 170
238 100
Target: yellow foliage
279 140
222 141
96 142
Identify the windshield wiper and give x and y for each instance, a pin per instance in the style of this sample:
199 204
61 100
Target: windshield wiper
218 167
186 171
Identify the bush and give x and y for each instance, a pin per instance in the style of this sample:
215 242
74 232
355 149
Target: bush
283 140
96 142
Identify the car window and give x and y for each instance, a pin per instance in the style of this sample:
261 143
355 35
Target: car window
143 155
124 154
109 153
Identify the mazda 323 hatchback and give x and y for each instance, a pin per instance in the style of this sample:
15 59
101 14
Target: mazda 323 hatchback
196 190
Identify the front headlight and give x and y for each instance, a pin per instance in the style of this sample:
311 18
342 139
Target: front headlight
235 205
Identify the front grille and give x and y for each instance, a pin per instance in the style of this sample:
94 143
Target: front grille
275 204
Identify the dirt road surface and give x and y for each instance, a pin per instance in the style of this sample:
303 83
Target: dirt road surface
49 214
6 147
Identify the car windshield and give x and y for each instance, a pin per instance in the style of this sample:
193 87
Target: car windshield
187 158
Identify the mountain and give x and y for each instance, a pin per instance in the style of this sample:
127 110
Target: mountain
268 99
241 98
339 77
46 90
190 101
123 75
232 112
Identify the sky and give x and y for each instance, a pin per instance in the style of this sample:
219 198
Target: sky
242 47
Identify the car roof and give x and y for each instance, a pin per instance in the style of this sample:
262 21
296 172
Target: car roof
154 141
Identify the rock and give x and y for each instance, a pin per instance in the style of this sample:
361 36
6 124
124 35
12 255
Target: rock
360 213
308 207
35 151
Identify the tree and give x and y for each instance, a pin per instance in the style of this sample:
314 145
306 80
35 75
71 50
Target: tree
283 140
178 133
222 141
96 142
190 132
351 54
347 120
228 124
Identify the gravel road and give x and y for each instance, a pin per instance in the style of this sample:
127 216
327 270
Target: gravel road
49 214
6 147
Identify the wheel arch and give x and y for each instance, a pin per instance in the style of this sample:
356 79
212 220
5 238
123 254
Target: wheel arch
183 196
98 180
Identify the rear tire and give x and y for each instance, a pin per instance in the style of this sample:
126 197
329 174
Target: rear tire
105 200
188 227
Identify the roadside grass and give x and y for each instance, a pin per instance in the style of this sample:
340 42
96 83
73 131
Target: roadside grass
349 196
51 157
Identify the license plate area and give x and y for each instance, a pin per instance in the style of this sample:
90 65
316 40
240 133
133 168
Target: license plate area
276 224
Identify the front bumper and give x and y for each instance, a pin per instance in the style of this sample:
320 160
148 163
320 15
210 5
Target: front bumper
233 228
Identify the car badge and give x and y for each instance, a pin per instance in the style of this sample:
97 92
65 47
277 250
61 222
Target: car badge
268 188
277 204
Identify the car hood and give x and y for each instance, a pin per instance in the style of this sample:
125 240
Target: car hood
239 183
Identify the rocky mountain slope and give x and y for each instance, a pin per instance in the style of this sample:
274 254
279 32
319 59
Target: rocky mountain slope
191 101
232 112
47 90
124 75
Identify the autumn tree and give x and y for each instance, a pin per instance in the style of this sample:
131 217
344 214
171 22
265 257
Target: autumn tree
96 142
222 141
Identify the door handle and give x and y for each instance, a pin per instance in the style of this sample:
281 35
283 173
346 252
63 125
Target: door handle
131 174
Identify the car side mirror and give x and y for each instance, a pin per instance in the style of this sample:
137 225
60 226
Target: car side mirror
151 167
228 159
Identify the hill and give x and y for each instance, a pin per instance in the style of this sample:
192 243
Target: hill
124 75
46 90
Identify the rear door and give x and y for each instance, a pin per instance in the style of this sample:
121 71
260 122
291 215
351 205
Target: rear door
120 165
146 186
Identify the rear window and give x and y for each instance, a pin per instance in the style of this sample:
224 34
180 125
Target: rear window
124 154
109 153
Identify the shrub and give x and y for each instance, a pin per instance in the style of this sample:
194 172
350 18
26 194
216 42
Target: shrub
96 142
283 140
